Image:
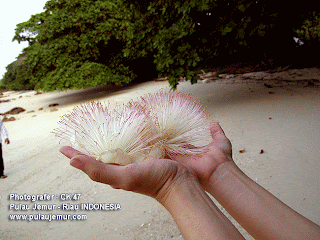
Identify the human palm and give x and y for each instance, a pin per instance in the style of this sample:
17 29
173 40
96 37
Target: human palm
219 151
154 178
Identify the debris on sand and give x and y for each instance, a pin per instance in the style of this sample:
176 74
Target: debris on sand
267 85
53 104
5 119
14 111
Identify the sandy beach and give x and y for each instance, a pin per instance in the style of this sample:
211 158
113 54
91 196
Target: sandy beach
277 115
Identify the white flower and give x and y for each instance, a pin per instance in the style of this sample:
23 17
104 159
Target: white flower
182 123
120 135
158 125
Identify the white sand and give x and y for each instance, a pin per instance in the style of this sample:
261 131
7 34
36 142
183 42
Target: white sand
288 168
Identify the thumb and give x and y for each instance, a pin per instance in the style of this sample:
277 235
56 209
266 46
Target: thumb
219 138
99 172
216 131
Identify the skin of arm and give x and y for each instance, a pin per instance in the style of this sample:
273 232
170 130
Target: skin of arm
196 215
171 184
258 211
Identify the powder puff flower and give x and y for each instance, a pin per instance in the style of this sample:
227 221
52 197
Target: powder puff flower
158 125
121 135
182 123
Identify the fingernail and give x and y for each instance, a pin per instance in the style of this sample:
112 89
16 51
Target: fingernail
76 163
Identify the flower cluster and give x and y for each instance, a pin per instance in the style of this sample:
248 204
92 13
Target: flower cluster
158 125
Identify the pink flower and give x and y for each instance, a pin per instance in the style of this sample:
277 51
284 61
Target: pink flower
119 135
158 125
182 123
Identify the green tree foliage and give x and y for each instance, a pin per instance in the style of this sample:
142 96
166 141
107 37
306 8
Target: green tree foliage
17 76
309 33
84 43
71 37
246 30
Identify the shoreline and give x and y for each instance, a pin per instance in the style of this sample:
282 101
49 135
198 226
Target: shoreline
284 124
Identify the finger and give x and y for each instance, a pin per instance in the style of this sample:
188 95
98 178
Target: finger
111 174
216 130
219 138
98 171
70 152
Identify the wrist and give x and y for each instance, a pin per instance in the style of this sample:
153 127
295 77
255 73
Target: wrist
253 207
185 184
224 173
195 214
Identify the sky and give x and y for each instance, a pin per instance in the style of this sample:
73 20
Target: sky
12 13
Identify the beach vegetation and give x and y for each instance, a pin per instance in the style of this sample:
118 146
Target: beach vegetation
77 44
17 76
309 32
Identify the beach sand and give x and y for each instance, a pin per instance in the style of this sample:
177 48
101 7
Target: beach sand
280 118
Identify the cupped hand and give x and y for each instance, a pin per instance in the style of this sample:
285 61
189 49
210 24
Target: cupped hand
155 178
219 151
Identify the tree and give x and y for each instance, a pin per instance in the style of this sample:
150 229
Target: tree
309 33
17 76
68 43
84 43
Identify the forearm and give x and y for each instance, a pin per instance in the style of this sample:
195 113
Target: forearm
196 215
259 212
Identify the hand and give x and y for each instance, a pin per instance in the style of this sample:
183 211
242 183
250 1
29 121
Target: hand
219 151
154 178
7 141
